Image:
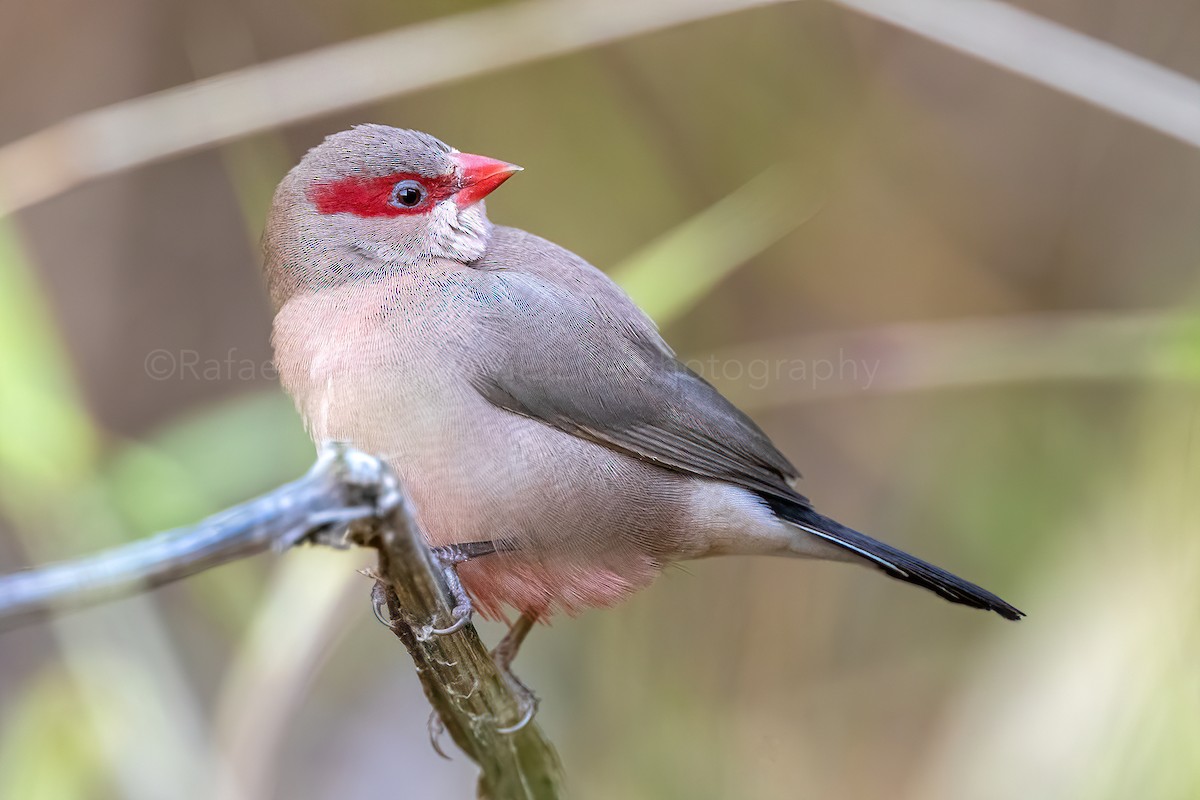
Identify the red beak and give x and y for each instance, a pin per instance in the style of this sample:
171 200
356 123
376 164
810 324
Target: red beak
478 176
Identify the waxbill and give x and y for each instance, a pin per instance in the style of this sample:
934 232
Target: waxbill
548 437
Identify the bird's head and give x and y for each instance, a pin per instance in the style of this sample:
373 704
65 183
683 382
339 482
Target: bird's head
385 195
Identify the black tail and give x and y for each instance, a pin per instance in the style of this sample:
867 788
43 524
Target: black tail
895 563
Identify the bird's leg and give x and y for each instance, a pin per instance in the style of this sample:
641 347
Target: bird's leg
465 551
506 651
461 613
449 557
383 598
503 655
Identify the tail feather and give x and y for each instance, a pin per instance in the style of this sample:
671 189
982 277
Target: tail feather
896 563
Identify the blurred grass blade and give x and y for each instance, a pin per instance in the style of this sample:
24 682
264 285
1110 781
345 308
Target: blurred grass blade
258 98
1071 62
307 606
1098 700
44 752
958 354
673 274
48 442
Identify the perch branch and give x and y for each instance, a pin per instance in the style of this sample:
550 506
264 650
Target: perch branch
347 497
341 486
460 678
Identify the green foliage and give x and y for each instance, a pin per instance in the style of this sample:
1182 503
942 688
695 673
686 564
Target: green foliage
49 444
47 750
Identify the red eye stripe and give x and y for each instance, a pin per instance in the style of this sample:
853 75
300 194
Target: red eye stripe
371 197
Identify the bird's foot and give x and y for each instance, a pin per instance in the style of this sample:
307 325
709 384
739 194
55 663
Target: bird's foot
503 655
461 613
527 704
383 599
449 557
436 729
381 595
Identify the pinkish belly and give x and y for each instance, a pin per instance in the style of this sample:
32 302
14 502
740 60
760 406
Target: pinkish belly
587 526
559 585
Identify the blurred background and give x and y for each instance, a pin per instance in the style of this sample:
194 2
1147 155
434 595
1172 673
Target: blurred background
963 302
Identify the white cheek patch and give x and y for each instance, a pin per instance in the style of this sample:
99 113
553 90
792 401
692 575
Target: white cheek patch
457 233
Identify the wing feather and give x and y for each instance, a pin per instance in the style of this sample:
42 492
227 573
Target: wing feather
564 345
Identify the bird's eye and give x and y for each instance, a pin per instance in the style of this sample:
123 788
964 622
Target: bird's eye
407 194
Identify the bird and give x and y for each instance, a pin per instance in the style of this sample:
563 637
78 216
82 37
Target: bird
557 453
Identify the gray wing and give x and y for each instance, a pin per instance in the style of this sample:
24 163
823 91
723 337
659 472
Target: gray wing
564 345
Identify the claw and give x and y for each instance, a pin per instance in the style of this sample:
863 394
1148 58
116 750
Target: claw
436 729
531 705
461 614
379 604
